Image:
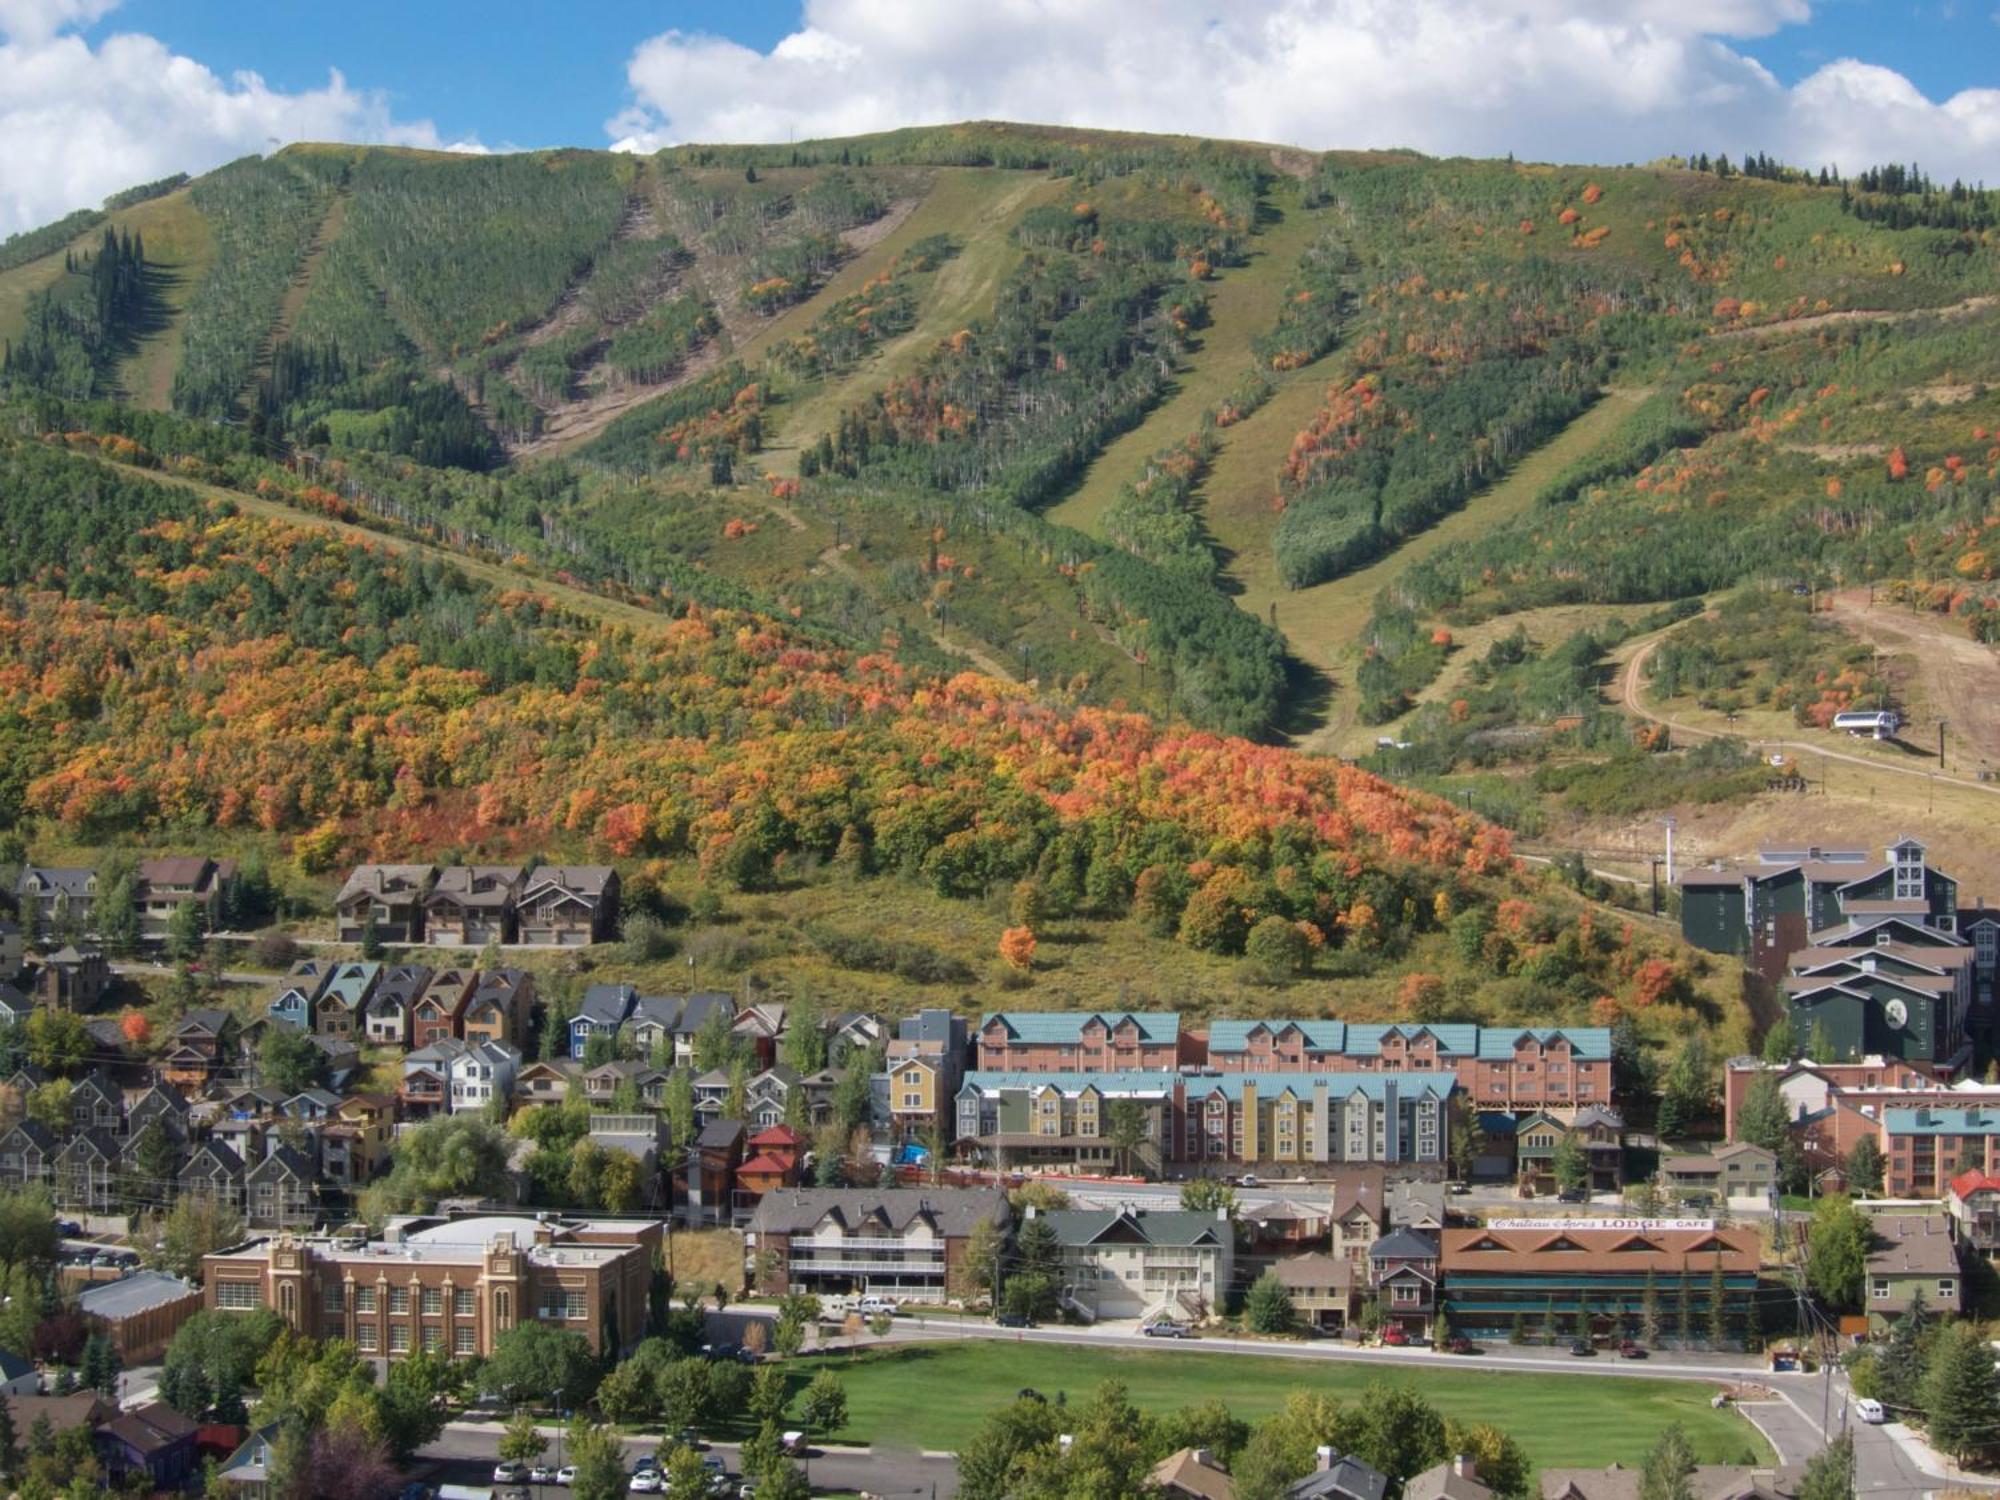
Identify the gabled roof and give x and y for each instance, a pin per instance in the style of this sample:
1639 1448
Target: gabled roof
1918 1244
208 1018
57 877
1065 1027
1404 1244
1171 1228
1965 1184
283 1160
1422 1083
1314 1270
480 886
404 881
955 1211
150 1429
580 880
605 1005
137 1293
1128 1085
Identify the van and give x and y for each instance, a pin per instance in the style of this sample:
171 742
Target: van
1869 1410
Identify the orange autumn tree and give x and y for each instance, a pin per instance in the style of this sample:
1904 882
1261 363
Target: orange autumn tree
1017 947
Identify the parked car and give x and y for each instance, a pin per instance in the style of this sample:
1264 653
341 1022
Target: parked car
793 1441
1573 1195
1013 1320
646 1482
542 1474
1458 1343
1164 1330
1631 1349
510 1471
869 1307
687 1437
1871 1411
1394 1336
1459 1189
646 1463
721 1351
566 1474
1582 1349
1248 1179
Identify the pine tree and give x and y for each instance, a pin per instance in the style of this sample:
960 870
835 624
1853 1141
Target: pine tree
1718 1303
10 1441
1901 1363
1649 1310
1684 1310
1962 1400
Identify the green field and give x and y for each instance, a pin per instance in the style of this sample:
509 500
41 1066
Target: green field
934 1395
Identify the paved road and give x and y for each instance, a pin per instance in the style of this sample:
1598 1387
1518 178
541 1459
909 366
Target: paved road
467 1451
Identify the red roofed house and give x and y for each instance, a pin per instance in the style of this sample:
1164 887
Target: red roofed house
773 1163
1974 1203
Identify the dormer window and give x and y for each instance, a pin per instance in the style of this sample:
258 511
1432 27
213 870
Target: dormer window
1909 862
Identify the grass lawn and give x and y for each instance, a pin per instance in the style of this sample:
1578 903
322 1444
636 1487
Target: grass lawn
934 1395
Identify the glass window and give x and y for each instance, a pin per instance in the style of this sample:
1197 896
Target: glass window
399 1299
237 1295
364 1338
462 1341
433 1301
461 1303
364 1299
333 1298
399 1338
433 1339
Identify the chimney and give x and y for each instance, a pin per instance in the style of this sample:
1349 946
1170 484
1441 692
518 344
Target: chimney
1323 1457
1205 1458
1465 1466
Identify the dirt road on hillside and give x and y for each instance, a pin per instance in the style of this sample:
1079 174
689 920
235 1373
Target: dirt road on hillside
1961 677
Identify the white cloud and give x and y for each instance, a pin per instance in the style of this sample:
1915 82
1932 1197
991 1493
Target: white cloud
82 121
1588 80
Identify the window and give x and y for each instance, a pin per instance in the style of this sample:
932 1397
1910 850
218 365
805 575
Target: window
364 1338
433 1302
462 1341
433 1339
461 1303
399 1300
364 1299
399 1338
333 1298
1880 1288
1947 1289
238 1295
503 1310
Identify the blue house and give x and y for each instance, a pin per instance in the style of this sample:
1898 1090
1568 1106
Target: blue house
606 1007
304 984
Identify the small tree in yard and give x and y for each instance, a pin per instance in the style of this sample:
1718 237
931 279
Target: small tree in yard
823 1408
1268 1306
1649 1311
1864 1166
1570 1164
1902 1363
522 1440
599 1463
1829 1473
1664 1474
1125 1129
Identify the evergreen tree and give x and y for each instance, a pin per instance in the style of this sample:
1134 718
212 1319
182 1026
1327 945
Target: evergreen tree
1962 1397
1781 1042
1649 1310
1762 1119
10 1441
1718 1303
1902 1363
1684 1309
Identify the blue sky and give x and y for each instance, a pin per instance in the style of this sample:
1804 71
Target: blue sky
526 73
96 95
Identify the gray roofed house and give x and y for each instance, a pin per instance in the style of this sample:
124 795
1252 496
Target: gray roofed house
279 1190
386 1016
53 897
213 1169
15 1006
1707 1482
17 1376
1154 1265
605 1008
471 905
1340 1476
392 894
916 1237
569 905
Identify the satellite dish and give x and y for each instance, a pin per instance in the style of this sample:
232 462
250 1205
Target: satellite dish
1897 1012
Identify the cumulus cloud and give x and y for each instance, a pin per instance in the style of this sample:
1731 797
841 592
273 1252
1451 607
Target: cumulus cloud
81 121
1590 80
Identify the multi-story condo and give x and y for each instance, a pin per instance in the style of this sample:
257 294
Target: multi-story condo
472 905
1066 1120
1926 1147
454 1286
1145 1264
1877 993
56 901
1766 910
1499 1067
902 1242
1022 1041
568 905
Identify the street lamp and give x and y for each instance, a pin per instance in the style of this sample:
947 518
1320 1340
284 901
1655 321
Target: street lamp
559 1426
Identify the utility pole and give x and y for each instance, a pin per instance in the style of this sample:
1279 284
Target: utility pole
1656 887
1670 823
1941 728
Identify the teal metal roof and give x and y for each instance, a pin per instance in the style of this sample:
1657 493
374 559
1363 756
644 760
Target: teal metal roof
1337 1085
1942 1120
1128 1083
1065 1027
1454 1039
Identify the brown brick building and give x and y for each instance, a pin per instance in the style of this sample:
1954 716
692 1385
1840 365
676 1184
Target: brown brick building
453 1285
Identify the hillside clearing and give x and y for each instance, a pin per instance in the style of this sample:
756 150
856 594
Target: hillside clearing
1243 303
